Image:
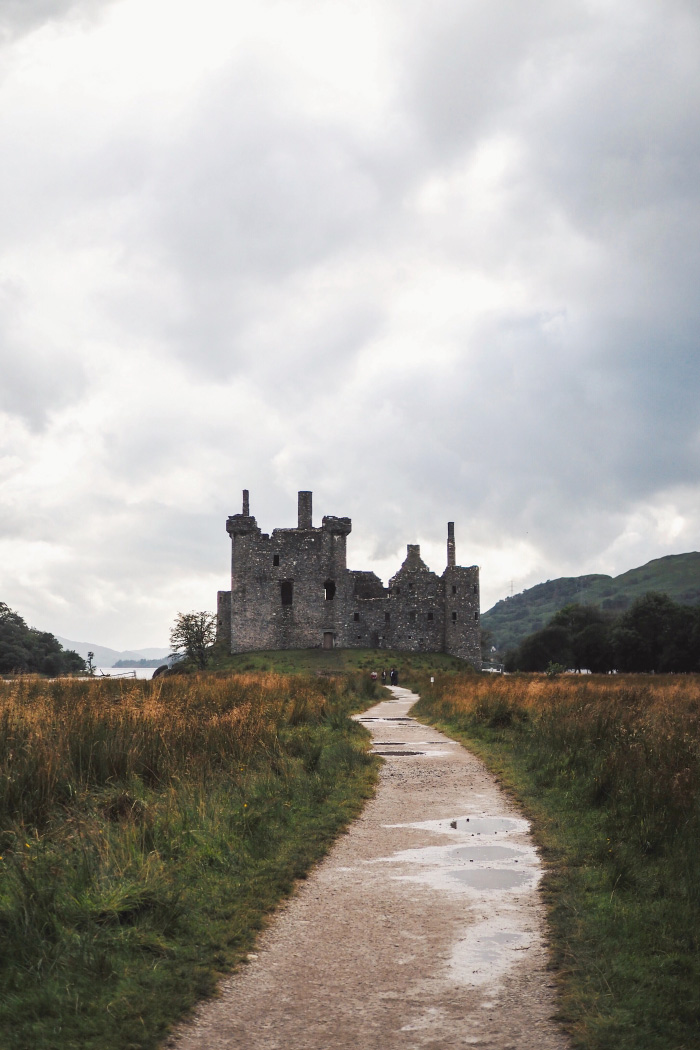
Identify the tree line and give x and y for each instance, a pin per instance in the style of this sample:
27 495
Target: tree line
25 649
655 634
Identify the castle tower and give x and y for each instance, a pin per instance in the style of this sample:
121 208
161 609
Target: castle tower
292 589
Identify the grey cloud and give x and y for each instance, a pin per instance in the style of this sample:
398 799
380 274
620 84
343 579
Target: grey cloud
470 63
18 17
37 377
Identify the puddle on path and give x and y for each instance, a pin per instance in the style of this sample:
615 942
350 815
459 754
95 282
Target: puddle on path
393 718
496 878
479 854
473 826
488 951
491 878
485 825
415 743
399 754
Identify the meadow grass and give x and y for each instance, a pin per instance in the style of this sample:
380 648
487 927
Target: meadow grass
608 769
338 661
148 827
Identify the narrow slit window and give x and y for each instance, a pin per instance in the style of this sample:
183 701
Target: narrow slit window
275 559
454 617
387 617
476 616
454 589
287 592
430 616
356 617
329 587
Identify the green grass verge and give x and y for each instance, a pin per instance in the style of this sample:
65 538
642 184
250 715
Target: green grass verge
336 661
625 926
125 909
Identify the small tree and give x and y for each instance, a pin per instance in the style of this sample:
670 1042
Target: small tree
192 635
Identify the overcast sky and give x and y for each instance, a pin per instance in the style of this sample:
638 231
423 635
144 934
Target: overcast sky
432 259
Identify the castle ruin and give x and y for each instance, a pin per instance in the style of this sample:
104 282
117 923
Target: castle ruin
293 590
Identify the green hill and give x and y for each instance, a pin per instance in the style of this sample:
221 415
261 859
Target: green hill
510 620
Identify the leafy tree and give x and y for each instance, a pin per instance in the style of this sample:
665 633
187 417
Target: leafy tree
25 649
551 645
589 636
192 635
657 634
593 648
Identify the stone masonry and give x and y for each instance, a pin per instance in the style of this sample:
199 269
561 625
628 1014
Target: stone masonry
293 590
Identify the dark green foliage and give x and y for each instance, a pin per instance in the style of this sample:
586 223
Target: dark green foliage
677 575
658 635
24 649
192 636
654 635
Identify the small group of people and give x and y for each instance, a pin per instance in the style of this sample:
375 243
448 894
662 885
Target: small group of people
393 676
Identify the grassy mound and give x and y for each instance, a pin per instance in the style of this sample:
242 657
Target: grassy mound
338 661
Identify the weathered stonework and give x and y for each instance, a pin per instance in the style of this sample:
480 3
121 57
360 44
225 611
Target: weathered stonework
293 590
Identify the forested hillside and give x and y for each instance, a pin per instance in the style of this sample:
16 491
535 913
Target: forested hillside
511 620
23 648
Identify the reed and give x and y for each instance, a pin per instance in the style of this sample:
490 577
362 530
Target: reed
147 829
608 767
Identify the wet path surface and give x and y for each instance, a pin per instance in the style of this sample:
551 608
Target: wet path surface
422 928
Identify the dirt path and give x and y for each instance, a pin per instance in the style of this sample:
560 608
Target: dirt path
422 928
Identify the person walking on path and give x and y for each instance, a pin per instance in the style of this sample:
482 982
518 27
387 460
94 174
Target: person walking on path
394 676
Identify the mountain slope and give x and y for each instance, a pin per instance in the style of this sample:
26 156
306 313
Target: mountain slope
105 657
510 620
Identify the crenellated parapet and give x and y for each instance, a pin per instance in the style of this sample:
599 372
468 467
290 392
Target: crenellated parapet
292 590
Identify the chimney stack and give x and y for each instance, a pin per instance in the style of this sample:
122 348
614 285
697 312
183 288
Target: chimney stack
305 510
451 554
246 504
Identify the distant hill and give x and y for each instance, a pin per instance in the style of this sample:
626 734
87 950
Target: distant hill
105 657
511 620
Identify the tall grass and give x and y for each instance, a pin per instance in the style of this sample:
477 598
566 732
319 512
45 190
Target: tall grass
146 829
609 767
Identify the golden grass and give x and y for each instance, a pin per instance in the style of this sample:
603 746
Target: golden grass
61 738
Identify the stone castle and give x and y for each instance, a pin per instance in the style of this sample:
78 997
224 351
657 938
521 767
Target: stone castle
293 590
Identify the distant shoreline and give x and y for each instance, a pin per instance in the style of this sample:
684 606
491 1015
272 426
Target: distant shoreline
141 663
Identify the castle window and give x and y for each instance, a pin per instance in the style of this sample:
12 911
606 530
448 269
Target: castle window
329 587
476 616
475 588
454 617
430 616
356 617
397 590
387 617
275 559
454 589
287 592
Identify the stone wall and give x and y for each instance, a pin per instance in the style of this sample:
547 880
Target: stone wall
292 590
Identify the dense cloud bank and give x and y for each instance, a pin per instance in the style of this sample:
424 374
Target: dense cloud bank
433 261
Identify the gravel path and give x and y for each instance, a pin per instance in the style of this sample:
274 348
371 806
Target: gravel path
422 928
